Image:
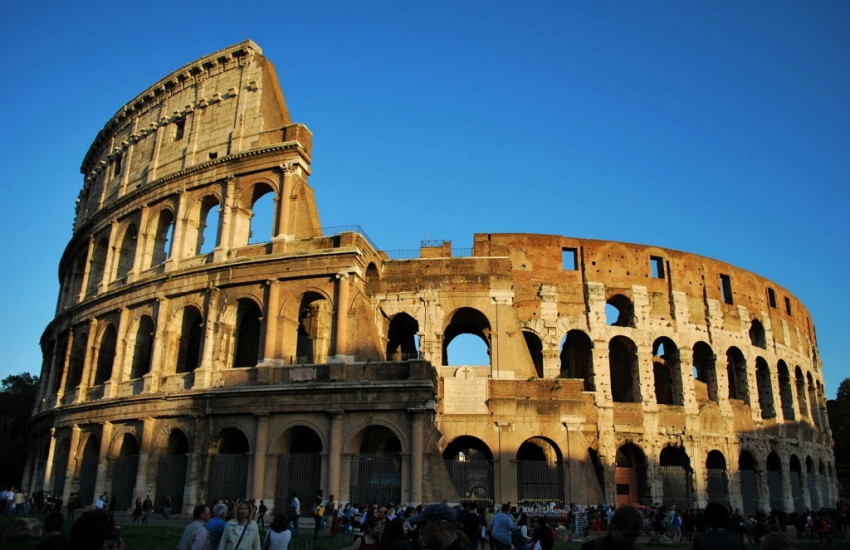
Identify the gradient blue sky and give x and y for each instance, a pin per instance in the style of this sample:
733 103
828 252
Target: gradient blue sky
718 128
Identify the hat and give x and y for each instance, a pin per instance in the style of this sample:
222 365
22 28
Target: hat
440 511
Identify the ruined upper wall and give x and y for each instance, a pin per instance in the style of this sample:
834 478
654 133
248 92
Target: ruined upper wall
222 104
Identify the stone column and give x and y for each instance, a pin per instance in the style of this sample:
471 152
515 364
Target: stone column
72 462
341 317
103 458
153 377
417 450
86 270
272 305
260 444
334 452
48 465
87 363
283 203
108 267
204 372
145 449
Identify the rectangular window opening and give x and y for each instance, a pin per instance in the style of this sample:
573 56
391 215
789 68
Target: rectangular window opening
569 259
787 305
117 166
657 265
771 297
726 288
179 128
213 156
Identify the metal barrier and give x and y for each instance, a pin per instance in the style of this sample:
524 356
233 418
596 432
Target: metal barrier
538 481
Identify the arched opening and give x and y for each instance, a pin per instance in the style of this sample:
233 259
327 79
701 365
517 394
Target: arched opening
796 478
667 372
191 340
373 280
765 389
315 317
470 465
208 222
749 483
623 364
376 467
248 330
630 479
757 336
60 466
535 349
736 372
228 474
171 470
822 475
77 358
619 311
801 393
577 358
88 471
467 338
262 215
97 265
717 482
142 348
811 482
540 471
677 477
105 355
705 382
403 338
785 389
299 466
774 482
162 237
124 473
127 253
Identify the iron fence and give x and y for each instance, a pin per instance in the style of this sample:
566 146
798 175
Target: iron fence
538 481
298 472
170 480
677 486
774 485
749 492
472 478
124 480
376 477
718 486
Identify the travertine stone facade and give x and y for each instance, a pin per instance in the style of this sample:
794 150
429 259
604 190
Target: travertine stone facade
190 358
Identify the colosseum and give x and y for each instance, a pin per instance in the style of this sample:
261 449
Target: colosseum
190 358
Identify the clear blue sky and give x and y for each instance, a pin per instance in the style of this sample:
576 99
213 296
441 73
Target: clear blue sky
718 128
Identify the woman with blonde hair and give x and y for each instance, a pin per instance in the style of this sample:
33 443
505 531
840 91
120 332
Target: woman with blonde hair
241 533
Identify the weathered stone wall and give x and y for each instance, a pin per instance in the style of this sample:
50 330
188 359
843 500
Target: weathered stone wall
321 344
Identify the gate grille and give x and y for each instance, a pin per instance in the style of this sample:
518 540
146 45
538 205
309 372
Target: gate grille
60 469
124 480
749 492
813 492
797 492
170 480
88 476
537 481
472 478
824 494
774 484
228 477
376 478
717 486
677 487
299 472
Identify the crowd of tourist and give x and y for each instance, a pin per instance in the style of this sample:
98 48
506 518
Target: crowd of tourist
236 524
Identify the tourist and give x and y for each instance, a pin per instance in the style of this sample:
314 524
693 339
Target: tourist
501 529
716 537
395 538
241 532
625 528
261 513
196 536
53 530
95 530
438 528
371 539
147 507
137 510
294 512
279 535
216 524
166 507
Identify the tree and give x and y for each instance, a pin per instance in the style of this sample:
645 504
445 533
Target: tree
17 398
